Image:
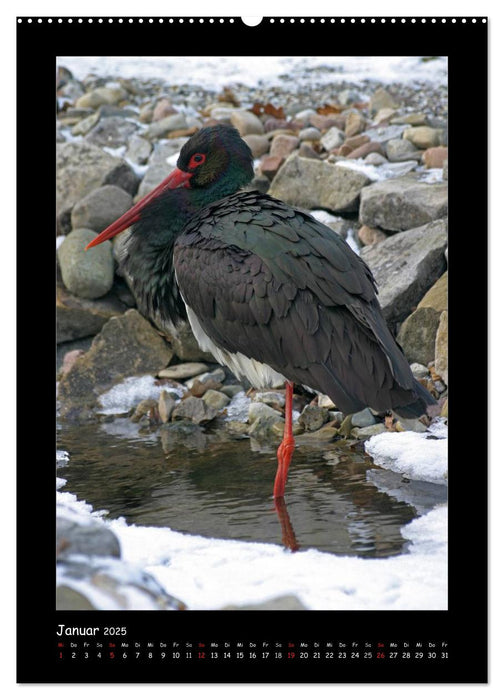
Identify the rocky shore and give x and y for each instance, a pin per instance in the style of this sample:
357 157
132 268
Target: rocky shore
371 161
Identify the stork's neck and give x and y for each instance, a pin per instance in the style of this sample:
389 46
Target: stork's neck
148 260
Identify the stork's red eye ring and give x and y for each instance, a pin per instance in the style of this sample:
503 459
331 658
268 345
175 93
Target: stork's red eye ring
197 159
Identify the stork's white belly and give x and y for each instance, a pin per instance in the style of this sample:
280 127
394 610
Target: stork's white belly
261 376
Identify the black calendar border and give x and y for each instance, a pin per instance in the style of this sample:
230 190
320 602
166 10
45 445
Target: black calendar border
465 44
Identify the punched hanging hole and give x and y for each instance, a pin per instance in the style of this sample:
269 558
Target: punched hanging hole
251 21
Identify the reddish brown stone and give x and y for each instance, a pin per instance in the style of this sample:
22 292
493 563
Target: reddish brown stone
322 122
435 157
362 151
163 109
283 145
273 123
343 150
270 165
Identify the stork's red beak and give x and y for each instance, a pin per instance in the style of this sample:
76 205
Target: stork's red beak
177 178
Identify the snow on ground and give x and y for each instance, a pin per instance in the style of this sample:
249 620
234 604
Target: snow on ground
421 456
218 71
122 397
209 574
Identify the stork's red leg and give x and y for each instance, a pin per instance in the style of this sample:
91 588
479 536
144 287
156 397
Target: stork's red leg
286 448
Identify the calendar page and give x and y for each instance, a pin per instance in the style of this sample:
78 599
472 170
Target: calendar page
254 322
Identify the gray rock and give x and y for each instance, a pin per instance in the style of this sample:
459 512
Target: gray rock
309 134
419 371
325 401
348 96
258 144
417 335
402 149
258 410
216 375
158 167
90 539
266 429
111 132
184 343
88 274
126 346
166 406
307 151
313 417
445 170
363 419
333 138
109 584
382 134
381 99
246 122
82 167
139 150
326 433
67 598
271 398
402 203
101 96
412 424
305 115
375 159
368 431
79 318
85 125
216 399
183 370
195 410
159 129
405 266
232 389
100 208
314 184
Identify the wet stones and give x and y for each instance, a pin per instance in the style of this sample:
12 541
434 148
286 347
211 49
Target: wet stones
195 410
126 346
313 417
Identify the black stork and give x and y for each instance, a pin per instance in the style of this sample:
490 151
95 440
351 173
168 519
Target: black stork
271 292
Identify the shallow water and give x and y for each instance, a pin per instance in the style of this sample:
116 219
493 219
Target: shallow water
213 485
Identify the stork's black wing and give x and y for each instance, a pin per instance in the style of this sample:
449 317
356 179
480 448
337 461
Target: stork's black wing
276 285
